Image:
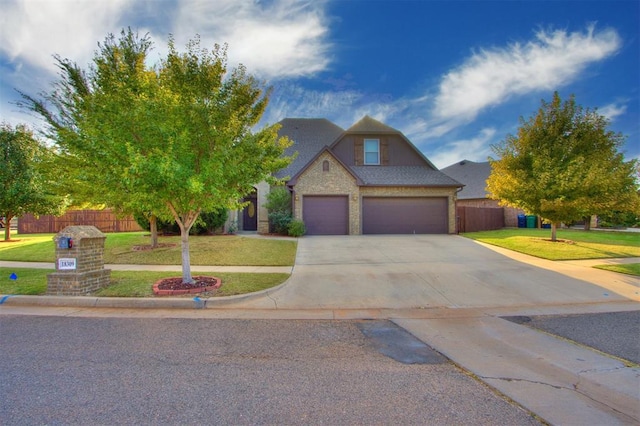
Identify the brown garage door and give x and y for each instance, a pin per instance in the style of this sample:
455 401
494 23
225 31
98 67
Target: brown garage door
326 215
404 215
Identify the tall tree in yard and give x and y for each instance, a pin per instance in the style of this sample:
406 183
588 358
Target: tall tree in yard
564 164
26 181
175 139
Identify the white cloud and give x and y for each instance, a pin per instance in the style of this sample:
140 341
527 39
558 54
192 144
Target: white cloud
490 77
276 39
612 111
31 31
474 149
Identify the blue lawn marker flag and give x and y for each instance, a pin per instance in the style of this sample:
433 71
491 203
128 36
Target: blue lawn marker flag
13 276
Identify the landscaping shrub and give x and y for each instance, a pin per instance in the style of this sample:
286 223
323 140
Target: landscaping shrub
279 206
297 228
207 223
164 226
210 222
279 222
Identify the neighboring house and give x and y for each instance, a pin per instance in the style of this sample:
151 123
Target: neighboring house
474 194
368 179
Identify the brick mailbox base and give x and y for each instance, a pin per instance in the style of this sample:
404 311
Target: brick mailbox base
79 262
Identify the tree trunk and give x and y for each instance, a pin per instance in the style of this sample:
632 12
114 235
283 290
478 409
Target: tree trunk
587 223
554 227
186 257
185 222
7 227
153 226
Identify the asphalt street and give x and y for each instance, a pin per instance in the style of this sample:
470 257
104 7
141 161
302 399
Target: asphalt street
614 333
62 370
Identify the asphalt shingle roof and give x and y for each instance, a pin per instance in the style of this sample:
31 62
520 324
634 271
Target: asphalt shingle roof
473 175
370 125
403 175
309 135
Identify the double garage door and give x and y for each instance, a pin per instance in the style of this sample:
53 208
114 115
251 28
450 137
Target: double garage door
329 215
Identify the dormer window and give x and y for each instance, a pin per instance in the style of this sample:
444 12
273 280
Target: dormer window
372 151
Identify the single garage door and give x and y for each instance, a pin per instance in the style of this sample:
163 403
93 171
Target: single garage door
326 215
404 215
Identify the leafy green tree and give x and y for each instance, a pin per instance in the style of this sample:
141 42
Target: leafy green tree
563 165
175 140
26 177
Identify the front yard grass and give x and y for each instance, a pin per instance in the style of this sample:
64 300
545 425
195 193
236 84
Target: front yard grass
576 244
137 283
222 250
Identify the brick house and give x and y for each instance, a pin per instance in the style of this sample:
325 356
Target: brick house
367 179
474 194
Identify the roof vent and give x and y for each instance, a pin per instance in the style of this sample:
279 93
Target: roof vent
463 162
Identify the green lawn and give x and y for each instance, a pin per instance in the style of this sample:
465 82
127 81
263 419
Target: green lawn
576 245
629 268
136 283
223 250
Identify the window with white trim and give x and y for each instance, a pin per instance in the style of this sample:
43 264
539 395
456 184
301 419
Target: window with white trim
372 151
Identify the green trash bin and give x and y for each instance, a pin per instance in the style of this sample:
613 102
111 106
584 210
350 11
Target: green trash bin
531 221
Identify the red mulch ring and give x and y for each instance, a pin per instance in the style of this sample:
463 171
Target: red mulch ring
175 286
148 247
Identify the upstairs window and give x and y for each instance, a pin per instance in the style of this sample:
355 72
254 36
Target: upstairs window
372 151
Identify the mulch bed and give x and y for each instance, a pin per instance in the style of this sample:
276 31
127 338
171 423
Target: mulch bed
175 286
559 240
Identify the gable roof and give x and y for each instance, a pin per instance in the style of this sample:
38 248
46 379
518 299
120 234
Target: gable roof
473 175
294 179
309 136
312 135
370 125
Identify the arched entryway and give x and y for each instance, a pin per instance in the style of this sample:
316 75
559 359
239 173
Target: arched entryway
250 212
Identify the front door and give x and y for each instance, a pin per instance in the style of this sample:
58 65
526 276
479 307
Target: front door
250 213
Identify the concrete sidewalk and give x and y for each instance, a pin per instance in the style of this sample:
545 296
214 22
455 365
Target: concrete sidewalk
160 268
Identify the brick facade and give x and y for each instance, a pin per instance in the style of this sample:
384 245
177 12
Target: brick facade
317 180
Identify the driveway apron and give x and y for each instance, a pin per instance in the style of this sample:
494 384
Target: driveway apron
424 271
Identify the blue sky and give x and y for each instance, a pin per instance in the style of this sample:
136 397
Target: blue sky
453 76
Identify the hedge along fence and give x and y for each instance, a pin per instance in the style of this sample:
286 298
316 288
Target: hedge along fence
105 220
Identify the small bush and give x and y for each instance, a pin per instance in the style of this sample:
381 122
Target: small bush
210 222
297 228
207 223
164 226
279 222
279 206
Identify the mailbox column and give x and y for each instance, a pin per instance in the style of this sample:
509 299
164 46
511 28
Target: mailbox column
79 262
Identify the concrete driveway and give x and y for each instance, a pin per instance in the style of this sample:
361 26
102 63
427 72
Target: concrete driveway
427 271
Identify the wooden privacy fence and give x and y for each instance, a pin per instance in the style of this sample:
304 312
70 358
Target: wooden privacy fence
104 220
473 219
